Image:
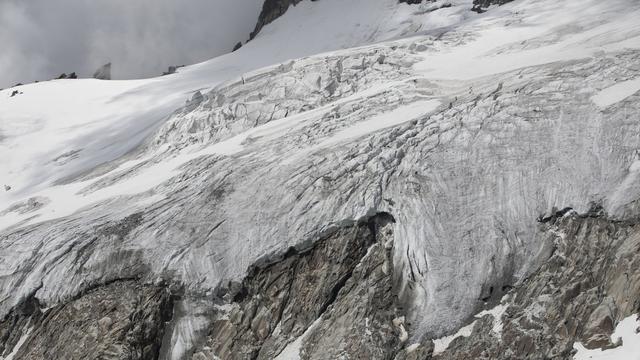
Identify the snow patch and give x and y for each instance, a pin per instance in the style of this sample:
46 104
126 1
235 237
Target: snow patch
616 93
440 345
530 33
292 351
626 331
411 348
383 121
18 345
497 313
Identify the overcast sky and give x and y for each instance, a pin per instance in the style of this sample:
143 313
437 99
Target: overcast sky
40 39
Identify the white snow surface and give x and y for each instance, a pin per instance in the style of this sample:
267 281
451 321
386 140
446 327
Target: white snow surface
441 344
627 333
293 349
616 93
525 33
496 313
58 129
61 128
465 127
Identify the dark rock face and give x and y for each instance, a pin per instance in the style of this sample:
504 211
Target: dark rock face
324 300
589 284
365 320
172 69
271 10
122 320
335 299
480 6
103 73
72 75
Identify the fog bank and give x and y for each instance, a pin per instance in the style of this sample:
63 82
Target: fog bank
42 38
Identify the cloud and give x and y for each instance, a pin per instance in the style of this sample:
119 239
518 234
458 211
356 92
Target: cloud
40 39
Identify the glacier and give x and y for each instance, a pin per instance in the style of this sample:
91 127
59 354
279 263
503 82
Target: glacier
470 130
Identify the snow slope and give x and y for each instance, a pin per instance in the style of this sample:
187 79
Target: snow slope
64 136
625 335
60 129
466 132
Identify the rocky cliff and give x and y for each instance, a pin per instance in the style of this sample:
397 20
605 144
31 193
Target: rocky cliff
121 320
271 10
588 285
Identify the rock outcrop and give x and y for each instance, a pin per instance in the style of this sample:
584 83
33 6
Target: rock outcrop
481 6
333 299
103 72
336 298
67 76
121 320
590 283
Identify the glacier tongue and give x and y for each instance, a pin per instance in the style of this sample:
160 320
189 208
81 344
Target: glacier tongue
467 135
